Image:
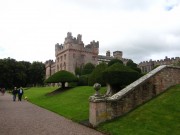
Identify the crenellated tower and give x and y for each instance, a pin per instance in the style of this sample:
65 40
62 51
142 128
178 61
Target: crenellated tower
73 53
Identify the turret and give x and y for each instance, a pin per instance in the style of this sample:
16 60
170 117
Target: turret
108 54
118 54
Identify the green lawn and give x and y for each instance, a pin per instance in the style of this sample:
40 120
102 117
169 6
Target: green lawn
160 116
73 104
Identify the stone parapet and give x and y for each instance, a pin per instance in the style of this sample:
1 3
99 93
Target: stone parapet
135 94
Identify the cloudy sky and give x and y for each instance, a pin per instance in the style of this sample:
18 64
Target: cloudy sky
142 29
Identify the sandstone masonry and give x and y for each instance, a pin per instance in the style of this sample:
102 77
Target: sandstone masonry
147 66
73 53
135 94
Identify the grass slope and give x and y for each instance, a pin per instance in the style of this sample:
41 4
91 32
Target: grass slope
72 104
160 116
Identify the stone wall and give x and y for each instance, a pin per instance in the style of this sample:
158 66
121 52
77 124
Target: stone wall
135 94
147 66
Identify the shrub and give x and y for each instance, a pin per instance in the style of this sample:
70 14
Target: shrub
113 61
118 76
83 80
88 68
97 75
63 77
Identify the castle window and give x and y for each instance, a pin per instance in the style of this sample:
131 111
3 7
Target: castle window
64 66
61 58
58 59
64 56
61 66
57 67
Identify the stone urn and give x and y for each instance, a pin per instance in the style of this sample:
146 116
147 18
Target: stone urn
97 87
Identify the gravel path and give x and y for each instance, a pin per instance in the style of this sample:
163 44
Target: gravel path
24 118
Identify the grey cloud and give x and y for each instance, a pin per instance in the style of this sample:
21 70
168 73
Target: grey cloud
145 47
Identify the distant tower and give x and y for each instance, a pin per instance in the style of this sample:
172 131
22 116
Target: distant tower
108 54
118 54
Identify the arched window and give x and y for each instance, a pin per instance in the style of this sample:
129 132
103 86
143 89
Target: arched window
61 66
57 67
64 66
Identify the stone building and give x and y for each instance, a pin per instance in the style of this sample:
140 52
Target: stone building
147 66
108 57
73 53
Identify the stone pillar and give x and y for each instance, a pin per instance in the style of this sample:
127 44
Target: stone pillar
97 110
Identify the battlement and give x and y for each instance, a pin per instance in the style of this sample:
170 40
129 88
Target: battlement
71 42
92 44
71 39
176 59
49 63
147 66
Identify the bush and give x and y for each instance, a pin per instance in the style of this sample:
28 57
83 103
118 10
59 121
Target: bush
63 77
118 76
83 80
88 68
113 61
97 75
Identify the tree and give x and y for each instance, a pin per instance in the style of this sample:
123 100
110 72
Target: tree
37 73
83 80
97 75
133 65
78 71
7 72
88 68
62 77
118 76
20 73
113 61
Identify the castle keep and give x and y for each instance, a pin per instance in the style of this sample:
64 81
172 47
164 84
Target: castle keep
73 53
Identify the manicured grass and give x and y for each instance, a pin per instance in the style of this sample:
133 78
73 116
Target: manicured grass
72 104
160 116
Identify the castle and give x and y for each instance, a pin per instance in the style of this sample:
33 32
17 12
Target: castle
73 53
147 66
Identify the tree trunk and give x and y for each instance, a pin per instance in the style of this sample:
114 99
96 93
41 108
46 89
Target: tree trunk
63 85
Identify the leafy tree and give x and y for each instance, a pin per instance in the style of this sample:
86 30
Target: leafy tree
78 71
26 69
62 77
83 80
133 65
7 72
88 68
20 73
37 73
97 75
118 76
113 61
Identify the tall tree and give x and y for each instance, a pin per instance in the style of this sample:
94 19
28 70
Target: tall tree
37 73
88 68
113 61
133 65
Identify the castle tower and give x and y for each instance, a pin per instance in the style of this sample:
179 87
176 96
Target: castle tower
74 54
108 53
50 68
118 54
